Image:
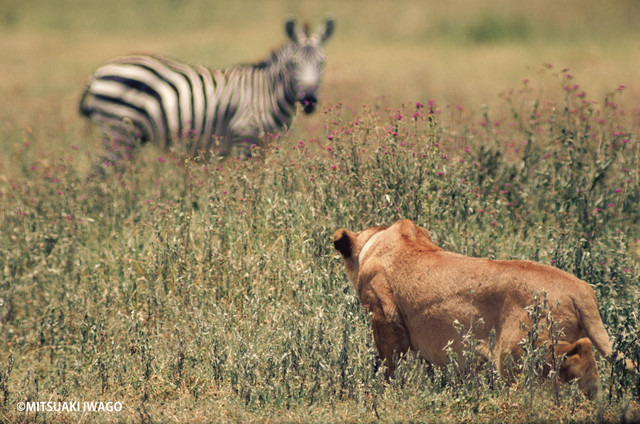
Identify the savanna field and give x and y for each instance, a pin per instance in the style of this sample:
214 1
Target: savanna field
191 290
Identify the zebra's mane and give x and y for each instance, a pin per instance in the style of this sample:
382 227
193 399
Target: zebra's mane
274 57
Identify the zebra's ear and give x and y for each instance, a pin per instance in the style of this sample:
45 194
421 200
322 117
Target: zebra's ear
295 33
327 31
290 27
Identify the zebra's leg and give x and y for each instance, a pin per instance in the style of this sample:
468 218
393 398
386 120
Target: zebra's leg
248 143
224 145
244 142
119 143
249 146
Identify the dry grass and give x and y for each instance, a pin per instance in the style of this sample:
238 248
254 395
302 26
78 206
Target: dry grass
192 291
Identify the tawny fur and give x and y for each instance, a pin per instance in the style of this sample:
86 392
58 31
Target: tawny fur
415 292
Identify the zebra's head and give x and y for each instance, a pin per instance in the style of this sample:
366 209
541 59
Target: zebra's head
305 63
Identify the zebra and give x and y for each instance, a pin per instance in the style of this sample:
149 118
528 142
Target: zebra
141 98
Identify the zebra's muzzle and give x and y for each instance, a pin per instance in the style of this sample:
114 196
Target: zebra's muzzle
308 103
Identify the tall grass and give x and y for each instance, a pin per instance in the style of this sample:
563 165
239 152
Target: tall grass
192 289
196 290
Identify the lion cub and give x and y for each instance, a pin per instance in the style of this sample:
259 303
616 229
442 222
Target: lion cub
415 291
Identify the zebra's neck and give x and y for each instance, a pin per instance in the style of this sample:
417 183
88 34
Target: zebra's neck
278 57
275 71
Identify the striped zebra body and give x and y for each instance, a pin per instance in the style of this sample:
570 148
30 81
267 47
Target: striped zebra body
148 98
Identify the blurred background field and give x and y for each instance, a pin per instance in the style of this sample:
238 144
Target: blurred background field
455 52
193 290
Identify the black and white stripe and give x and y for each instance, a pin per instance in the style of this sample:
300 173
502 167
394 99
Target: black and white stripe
148 98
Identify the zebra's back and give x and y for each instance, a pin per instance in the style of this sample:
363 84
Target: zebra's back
165 100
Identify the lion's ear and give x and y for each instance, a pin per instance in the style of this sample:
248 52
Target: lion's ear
342 240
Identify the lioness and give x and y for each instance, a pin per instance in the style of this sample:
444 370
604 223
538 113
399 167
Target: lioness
415 291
